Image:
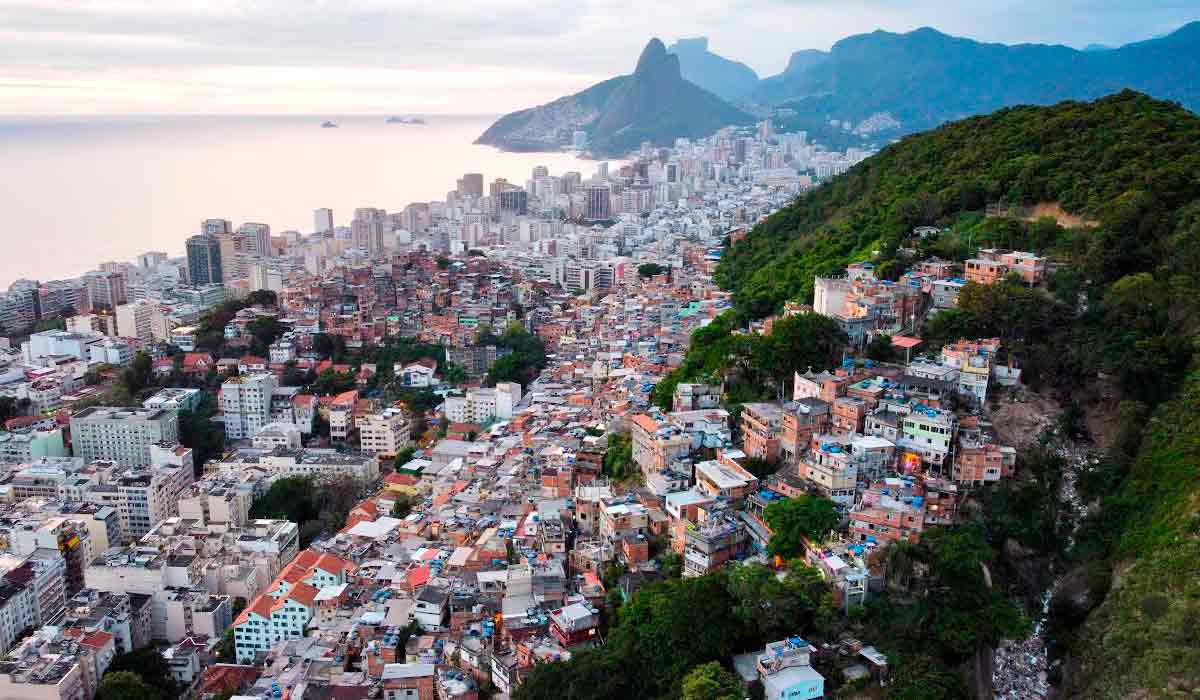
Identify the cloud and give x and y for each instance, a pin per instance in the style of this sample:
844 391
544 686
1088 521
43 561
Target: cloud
455 55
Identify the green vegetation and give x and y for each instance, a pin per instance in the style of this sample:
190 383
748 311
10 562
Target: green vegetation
754 367
138 675
200 433
126 685
1149 524
522 365
711 681
650 270
655 643
795 519
618 458
1122 308
318 508
1126 161
946 613
330 383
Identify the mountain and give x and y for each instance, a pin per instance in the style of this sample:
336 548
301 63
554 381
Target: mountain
798 62
729 80
654 104
924 78
1113 336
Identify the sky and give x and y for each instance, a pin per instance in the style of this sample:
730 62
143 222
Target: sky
456 56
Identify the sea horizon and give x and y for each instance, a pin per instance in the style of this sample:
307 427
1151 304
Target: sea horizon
143 182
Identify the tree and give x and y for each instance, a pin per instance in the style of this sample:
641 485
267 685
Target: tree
618 458
263 331
453 373
148 665
403 457
8 408
138 374
650 270
126 685
922 677
401 507
710 681
198 432
794 519
263 297
880 348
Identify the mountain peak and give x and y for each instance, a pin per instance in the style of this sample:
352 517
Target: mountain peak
698 44
654 57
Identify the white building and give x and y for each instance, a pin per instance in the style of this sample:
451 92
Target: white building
174 399
277 434
246 404
385 433
482 406
136 320
123 435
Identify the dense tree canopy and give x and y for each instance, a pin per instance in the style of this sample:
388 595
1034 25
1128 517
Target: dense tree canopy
711 681
795 519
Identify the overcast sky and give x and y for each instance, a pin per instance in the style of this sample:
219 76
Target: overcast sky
456 56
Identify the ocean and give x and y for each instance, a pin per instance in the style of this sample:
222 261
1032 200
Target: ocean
78 191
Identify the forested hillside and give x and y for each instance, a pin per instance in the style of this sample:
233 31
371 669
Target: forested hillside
1121 311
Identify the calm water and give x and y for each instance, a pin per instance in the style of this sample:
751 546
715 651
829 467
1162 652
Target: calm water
77 192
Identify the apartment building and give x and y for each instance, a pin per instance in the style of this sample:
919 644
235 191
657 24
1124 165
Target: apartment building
724 478
122 435
657 445
481 406
46 666
695 397
284 611
800 420
976 464
174 399
149 495
246 404
928 433
385 433
762 430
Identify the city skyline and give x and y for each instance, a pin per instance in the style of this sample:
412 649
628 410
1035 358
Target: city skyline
179 57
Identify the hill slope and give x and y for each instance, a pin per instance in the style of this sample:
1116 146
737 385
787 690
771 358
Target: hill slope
729 80
653 104
924 78
1125 304
1104 159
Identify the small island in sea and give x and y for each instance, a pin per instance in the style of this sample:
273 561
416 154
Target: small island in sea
405 120
329 125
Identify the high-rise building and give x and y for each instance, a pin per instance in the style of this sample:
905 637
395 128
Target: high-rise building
540 171
367 229
471 185
516 201
602 170
246 404
136 320
322 220
124 435
106 289
599 203
204 259
216 227
255 239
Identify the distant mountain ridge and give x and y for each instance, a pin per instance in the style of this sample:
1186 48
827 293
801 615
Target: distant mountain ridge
888 84
730 80
653 104
925 77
